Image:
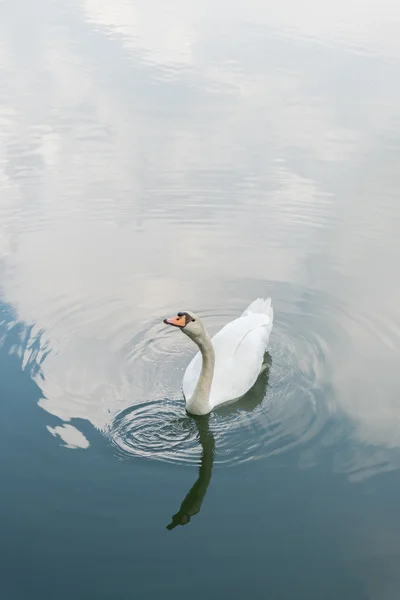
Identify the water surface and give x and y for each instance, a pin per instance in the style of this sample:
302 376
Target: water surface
158 157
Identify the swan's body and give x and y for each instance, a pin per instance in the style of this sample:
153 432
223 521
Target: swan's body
227 365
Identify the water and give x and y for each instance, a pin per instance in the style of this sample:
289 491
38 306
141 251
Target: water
156 157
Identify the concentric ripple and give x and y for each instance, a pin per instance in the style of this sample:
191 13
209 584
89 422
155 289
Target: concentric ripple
288 406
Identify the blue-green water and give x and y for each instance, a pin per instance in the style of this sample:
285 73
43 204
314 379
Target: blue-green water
160 156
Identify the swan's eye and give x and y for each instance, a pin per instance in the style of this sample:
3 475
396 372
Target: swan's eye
193 320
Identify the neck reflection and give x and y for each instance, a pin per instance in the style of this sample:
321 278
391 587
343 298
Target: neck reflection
193 500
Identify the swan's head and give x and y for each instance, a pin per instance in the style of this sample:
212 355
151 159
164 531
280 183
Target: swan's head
189 323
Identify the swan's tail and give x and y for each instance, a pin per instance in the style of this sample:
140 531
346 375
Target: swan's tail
261 305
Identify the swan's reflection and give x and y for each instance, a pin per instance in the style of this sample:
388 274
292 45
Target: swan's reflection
193 500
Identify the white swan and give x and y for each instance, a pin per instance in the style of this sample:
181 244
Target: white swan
227 365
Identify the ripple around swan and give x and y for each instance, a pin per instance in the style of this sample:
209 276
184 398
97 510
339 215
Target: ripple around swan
288 406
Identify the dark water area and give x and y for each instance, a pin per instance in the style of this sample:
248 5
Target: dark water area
157 157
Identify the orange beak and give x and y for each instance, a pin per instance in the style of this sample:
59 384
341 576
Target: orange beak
176 321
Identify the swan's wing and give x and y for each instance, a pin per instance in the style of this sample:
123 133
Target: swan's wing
239 350
239 358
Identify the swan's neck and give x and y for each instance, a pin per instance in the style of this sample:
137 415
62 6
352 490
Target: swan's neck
199 403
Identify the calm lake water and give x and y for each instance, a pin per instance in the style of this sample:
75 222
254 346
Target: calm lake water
160 156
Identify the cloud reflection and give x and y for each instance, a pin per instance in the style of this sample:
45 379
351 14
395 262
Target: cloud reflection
143 169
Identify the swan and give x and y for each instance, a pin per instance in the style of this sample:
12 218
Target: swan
227 365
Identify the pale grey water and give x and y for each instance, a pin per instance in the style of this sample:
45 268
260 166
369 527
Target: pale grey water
160 156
